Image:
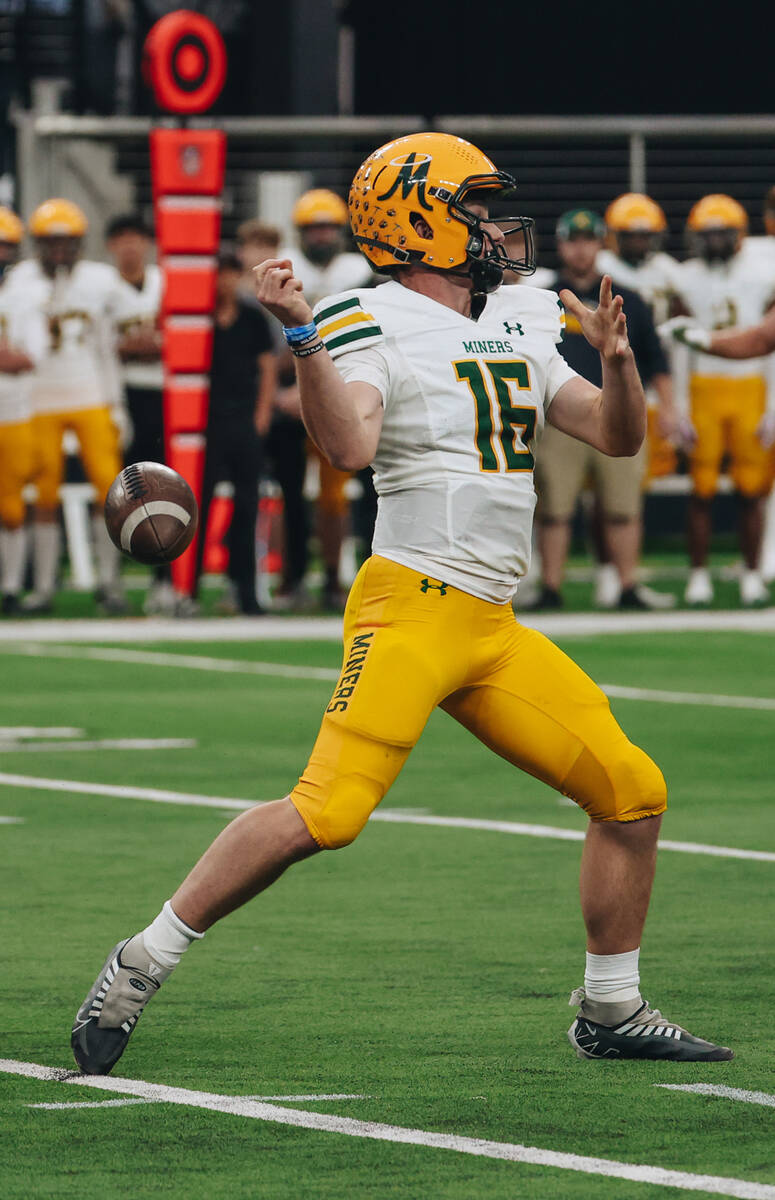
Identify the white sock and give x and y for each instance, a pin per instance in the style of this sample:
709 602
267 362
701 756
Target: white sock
106 554
13 559
45 556
167 937
612 978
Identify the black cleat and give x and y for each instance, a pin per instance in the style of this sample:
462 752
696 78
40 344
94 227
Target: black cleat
112 1008
645 1034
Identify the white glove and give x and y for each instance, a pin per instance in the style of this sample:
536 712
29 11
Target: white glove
686 330
765 430
685 435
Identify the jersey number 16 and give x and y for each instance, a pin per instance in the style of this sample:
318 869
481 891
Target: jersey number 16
518 424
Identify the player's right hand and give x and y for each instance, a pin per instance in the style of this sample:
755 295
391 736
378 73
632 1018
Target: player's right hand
278 289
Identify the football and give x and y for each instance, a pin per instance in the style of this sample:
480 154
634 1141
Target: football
151 513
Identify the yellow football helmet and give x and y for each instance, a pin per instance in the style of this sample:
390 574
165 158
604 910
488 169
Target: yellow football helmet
430 176
635 213
11 228
716 227
57 218
717 212
319 207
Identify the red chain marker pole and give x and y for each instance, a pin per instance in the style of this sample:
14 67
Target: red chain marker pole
185 65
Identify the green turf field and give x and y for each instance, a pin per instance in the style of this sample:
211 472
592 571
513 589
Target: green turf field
425 970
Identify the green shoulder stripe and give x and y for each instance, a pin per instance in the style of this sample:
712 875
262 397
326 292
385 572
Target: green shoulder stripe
353 336
333 309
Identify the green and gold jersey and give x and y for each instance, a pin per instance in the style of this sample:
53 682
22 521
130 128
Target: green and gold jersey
465 403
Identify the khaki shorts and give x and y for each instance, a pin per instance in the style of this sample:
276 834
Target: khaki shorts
565 465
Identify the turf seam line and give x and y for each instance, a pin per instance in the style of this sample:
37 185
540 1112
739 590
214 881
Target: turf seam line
372 1130
386 815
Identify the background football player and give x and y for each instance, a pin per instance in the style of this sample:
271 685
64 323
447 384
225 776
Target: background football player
22 343
75 387
722 287
444 383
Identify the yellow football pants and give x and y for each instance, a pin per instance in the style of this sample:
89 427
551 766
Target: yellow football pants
412 644
725 413
17 466
99 451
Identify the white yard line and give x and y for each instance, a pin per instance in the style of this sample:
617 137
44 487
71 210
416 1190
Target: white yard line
93 1104
302 629
100 744
11 820
139 1100
325 1123
725 1093
21 732
230 666
387 815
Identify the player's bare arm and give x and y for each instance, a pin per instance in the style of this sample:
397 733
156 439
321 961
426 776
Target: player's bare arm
612 419
344 420
753 342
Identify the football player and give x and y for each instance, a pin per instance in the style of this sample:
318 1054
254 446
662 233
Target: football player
722 287
325 267
443 380
22 343
75 387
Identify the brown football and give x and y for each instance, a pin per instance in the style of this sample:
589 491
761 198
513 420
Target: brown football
151 513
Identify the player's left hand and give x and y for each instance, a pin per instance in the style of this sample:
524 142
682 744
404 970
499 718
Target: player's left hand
604 327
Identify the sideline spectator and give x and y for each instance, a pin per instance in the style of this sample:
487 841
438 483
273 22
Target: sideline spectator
563 463
243 378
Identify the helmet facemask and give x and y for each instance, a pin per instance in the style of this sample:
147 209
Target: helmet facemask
487 259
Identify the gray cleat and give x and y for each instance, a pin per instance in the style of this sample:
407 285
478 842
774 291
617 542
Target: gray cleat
644 1034
112 1008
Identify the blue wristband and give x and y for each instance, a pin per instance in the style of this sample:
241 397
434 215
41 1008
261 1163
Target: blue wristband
297 335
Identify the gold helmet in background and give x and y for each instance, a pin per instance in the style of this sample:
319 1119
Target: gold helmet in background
716 226
57 218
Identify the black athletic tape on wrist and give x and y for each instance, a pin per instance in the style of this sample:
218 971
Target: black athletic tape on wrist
308 350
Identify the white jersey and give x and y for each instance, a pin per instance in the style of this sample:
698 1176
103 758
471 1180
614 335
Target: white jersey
464 405
79 369
140 306
23 328
655 279
722 295
344 272
760 250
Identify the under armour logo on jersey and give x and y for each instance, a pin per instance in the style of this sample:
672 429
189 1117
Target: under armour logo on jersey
516 328
427 586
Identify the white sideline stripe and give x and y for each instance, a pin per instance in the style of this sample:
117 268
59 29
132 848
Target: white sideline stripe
11 820
93 1104
325 1123
726 1093
392 816
195 662
706 698
139 1100
101 744
9 732
202 662
302 629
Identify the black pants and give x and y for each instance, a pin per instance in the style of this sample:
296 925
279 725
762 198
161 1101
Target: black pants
233 455
147 414
146 411
287 463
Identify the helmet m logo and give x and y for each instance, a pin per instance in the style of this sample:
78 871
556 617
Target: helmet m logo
413 171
